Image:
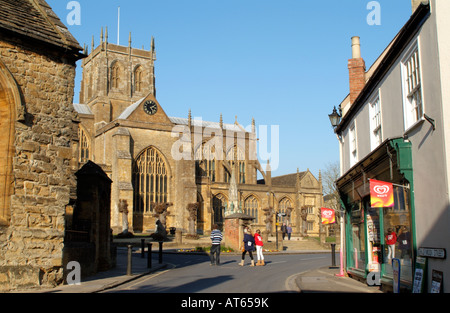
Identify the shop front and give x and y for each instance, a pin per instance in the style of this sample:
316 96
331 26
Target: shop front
377 235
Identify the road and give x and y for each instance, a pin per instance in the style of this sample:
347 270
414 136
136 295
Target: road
194 274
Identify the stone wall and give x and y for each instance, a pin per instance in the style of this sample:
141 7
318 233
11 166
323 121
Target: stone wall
31 242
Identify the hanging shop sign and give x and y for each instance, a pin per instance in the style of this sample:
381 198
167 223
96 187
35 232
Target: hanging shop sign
328 216
381 194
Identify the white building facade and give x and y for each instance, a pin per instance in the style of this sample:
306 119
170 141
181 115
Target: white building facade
394 128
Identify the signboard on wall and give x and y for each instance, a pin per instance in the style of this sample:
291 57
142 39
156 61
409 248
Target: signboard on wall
436 253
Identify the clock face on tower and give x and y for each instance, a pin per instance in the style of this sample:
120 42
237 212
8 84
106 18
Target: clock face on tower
150 107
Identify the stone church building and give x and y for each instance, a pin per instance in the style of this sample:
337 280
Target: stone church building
153 158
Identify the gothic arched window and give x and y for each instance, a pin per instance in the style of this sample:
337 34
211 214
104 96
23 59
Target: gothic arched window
219 207
138 79
251 207
150 177
84 148
284 204
205 161
115 75
6 144
236 154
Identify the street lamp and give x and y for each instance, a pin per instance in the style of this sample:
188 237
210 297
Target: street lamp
335 118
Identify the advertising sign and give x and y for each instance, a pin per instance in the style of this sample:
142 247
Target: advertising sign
328 216
436 281
419 272
381 194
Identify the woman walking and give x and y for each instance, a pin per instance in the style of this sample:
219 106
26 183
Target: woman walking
259 248
249 246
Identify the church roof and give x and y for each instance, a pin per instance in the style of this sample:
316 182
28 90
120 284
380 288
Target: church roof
201 123
130 109
35 19
179 120
286 180
82 108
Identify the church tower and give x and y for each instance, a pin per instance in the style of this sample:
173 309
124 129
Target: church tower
114 77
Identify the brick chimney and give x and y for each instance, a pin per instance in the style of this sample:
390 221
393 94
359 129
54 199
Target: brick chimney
357 70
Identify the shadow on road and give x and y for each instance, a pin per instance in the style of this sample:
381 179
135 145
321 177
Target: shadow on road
191 287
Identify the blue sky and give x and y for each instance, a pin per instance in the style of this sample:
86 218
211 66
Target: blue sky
281 62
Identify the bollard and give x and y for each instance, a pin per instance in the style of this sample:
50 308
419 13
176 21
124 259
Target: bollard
160 252
142 248
149 255
130 250
333 255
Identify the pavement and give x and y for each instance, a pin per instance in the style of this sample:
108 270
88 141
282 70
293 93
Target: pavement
321 280
328 280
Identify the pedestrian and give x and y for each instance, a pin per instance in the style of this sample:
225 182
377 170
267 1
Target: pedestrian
259 248
284 230
404 243
216 238
391 239
289 231
249 246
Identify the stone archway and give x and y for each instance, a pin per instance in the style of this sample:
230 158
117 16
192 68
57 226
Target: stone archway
9 99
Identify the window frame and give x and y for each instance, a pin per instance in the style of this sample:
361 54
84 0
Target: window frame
409 109
376 121
151 180
353 144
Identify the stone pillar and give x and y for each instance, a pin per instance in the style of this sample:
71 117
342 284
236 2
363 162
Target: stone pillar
178 237
280 240
234 230
122 187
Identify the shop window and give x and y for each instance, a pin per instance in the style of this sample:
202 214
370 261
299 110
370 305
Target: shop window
397 234
357 248
373 238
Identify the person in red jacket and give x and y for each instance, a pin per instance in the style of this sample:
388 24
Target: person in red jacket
391 239
259 245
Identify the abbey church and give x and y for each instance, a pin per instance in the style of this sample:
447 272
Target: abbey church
153 158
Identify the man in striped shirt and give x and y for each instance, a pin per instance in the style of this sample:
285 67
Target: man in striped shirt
216 238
